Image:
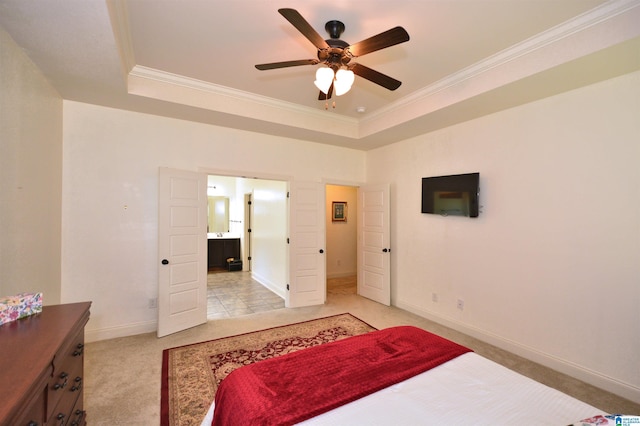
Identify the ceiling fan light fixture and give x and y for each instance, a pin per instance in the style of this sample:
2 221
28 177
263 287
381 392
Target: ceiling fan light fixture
336 53
344 81
324 79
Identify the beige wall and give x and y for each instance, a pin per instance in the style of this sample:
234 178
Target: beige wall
110 198
341 237
30 177
551 268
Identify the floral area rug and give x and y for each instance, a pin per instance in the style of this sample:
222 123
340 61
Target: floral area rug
191 374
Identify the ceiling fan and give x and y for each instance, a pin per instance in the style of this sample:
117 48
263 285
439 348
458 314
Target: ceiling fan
337 55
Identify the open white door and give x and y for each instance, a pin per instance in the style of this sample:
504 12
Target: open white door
307 273
182 250
374 258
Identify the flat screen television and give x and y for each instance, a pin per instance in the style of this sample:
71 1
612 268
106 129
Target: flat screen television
452 195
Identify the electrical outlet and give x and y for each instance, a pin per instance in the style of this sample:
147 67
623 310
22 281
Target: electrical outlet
460 304
153 303
434 297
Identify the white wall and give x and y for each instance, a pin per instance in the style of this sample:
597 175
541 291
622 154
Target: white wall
110 184
551 268
269 230
30 177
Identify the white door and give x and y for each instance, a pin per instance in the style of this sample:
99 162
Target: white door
182 250
307 273
374 258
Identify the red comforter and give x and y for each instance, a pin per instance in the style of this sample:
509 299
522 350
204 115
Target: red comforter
300 385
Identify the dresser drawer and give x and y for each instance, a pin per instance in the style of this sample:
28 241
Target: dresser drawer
64 411
66 381
34 414
41 372
78 415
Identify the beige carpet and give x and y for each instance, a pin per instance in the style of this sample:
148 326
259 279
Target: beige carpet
191 374
122 376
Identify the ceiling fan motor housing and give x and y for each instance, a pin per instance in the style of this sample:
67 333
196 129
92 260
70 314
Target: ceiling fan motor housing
334 28
334 57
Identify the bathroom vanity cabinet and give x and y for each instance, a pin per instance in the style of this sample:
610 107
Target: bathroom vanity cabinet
221 249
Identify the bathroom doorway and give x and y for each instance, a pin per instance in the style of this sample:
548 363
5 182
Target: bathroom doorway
254 242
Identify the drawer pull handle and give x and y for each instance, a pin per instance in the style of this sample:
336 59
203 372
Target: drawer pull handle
63 384
79 350
60 416
79 416
78 384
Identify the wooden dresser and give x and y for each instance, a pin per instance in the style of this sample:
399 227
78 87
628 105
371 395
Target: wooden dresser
41 367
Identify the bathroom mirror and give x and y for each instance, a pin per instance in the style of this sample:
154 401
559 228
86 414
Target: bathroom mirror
218 215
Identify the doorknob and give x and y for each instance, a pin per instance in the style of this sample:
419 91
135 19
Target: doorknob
321 251
386 250
165 262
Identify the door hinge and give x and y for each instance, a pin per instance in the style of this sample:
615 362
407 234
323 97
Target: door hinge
287 240
287 287
288 194
249 230
249 202
249 258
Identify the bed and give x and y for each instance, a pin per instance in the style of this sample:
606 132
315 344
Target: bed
399 375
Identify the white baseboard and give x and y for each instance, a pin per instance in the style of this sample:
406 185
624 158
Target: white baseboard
622 389
94 335
271 286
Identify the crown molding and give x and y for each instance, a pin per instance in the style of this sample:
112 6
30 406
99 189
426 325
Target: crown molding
157 84
119 15
161 85
456 86
594 30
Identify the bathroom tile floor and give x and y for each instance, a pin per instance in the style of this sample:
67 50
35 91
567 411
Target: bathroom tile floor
231 294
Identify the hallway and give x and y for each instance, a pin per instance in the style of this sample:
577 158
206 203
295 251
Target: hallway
231 294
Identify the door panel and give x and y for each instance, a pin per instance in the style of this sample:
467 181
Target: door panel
307 274
182 249
374 277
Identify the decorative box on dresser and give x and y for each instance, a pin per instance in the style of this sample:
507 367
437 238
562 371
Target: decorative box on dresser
42 367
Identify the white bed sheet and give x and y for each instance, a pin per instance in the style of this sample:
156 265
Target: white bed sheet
468 390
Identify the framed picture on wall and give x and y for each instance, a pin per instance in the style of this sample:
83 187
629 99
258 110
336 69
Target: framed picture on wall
339 211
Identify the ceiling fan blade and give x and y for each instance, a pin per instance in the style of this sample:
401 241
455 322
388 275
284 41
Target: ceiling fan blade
304 27
375 77
323 97
275 65
388 38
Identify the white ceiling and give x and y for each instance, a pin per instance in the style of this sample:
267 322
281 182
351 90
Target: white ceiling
194 59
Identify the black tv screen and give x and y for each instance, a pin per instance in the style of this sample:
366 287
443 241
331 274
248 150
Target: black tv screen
452 195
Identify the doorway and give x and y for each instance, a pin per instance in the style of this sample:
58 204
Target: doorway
253 236
341 238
